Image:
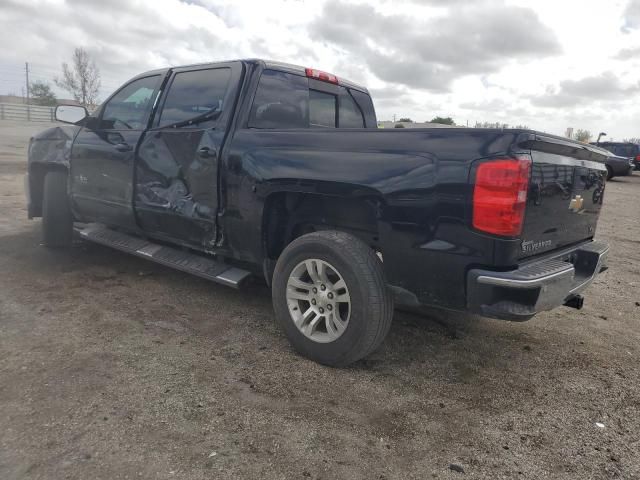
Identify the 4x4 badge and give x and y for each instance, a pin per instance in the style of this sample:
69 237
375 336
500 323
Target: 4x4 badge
575 205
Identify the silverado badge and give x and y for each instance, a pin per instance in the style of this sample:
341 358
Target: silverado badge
530 246
575 205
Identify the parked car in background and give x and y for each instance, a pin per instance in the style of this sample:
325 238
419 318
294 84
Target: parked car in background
619 166
621 150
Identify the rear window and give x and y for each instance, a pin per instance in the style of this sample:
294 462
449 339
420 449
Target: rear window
284 101
322 109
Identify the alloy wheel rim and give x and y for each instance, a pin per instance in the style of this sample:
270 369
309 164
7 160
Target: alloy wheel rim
318 300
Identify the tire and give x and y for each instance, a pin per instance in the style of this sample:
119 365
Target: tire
609 172
57 219
369 311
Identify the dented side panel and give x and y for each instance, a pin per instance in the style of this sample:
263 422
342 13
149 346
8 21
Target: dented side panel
176 174
417 178
48 149
52 145
176 192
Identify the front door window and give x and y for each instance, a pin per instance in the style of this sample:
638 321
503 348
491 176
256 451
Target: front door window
129 108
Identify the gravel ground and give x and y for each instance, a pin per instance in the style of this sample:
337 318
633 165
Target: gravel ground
112 367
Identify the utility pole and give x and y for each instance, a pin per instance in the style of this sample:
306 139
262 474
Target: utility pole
26 69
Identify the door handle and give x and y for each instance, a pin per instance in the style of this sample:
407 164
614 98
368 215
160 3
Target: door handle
206 152
123 147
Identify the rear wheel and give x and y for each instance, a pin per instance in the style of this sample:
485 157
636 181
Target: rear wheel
331 298
57 220
609 172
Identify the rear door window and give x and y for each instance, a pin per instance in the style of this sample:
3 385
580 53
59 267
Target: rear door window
195 93
284 100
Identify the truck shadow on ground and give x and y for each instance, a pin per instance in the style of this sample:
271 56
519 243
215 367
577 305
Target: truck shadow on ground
179 304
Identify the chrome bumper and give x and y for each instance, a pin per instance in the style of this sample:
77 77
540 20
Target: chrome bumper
536 286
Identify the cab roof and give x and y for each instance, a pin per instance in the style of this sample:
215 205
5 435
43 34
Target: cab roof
270 64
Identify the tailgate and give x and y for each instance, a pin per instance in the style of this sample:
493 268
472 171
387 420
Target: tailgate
565 194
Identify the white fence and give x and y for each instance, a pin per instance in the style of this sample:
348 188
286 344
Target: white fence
29 113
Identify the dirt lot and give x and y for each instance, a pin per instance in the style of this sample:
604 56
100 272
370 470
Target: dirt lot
112 367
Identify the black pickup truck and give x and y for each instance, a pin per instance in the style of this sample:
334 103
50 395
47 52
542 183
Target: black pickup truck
255 168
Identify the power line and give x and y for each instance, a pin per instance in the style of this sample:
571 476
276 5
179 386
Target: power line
41 66
26 70
12 74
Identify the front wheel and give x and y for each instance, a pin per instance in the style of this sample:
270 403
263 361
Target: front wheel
331 298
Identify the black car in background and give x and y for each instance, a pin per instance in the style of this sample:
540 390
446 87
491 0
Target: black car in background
623 149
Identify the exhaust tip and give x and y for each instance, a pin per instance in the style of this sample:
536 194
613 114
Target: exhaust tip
575 301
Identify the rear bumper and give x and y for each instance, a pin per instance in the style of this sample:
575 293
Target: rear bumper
535 286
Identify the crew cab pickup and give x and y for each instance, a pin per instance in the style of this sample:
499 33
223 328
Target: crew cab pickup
253 168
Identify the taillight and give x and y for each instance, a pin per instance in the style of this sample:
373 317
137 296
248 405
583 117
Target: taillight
500 195
637 158
320 75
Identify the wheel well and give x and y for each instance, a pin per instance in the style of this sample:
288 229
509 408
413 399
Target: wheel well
37 172
289 215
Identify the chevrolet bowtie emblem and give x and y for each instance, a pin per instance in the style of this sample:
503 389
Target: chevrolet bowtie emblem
575 205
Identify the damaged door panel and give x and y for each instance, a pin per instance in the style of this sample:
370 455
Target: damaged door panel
176 186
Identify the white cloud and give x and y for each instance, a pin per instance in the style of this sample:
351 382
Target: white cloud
548 64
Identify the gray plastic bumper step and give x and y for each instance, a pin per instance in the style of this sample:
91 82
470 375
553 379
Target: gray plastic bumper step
206 268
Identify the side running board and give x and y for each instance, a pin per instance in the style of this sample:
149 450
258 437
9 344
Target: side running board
185 261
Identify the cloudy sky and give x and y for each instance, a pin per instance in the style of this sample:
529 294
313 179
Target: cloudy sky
548 64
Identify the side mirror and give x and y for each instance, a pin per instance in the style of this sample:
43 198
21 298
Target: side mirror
71 113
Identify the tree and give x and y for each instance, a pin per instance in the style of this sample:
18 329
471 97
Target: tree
398 125
583 136
443 120
81 79
631 140
406 119
42 94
